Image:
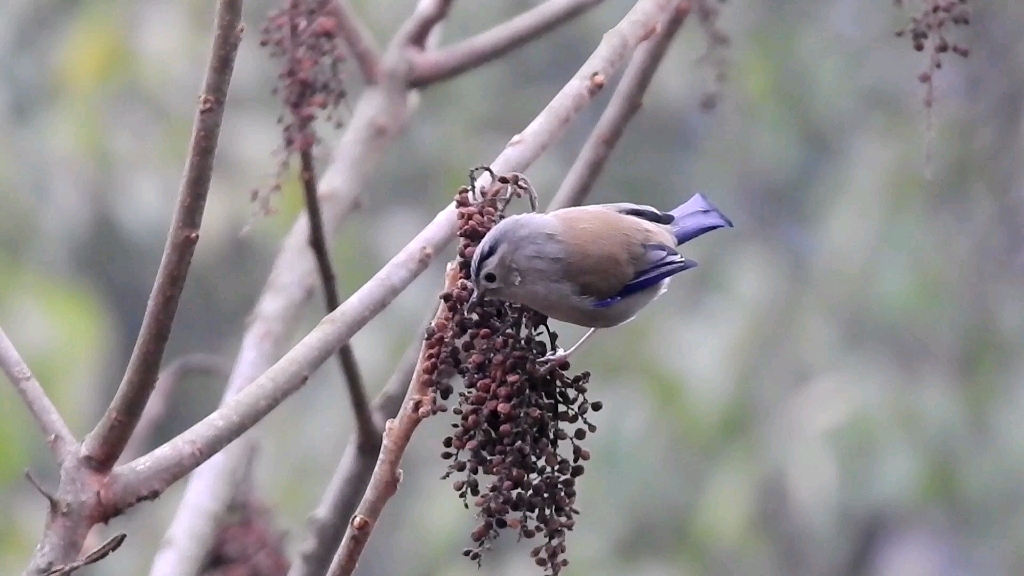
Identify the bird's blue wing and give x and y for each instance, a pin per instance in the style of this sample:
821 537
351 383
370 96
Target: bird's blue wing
660 262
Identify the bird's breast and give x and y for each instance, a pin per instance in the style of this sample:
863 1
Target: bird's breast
561 303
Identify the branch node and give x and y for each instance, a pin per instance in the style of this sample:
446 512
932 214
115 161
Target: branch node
360 522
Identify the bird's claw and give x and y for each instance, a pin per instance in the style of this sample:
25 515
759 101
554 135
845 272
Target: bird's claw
552 359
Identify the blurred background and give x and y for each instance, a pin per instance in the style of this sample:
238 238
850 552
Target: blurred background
835 390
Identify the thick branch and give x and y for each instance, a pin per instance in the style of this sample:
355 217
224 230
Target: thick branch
623 105
49 420
106 442
154 472
360 40
445 63
366 431
328 521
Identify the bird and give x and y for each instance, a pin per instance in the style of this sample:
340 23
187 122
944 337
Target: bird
594 266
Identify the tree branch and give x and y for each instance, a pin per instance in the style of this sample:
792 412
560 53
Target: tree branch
360 40
106 442
445 63
365 429
328 521
624 104
58 435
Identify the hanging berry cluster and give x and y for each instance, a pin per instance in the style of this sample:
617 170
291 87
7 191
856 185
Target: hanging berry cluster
930 29
520 422
305 36
716 56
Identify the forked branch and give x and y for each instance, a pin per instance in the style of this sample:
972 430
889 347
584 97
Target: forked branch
106 442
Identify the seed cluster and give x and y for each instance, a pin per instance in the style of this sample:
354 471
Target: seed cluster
248 543
930 29
715 55
304 36
520 421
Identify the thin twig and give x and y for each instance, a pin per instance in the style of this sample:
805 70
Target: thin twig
49 420
444 63
366 431
106 442
623 105
328 521
168 381
360 40
168 463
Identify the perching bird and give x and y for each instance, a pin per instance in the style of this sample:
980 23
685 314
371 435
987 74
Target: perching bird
593 266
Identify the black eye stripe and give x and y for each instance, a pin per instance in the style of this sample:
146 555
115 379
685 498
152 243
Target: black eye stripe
488 251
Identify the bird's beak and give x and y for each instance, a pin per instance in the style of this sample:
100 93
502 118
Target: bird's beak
475 300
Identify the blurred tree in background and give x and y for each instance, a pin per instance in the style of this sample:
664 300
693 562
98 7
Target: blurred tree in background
836 390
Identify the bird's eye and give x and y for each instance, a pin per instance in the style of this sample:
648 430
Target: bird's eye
490 278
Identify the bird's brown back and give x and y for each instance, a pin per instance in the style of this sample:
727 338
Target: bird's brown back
608 247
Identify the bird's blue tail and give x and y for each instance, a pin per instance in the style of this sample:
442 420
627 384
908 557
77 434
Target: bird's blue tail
697 216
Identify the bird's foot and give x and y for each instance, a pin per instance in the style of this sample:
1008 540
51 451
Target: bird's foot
557 358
